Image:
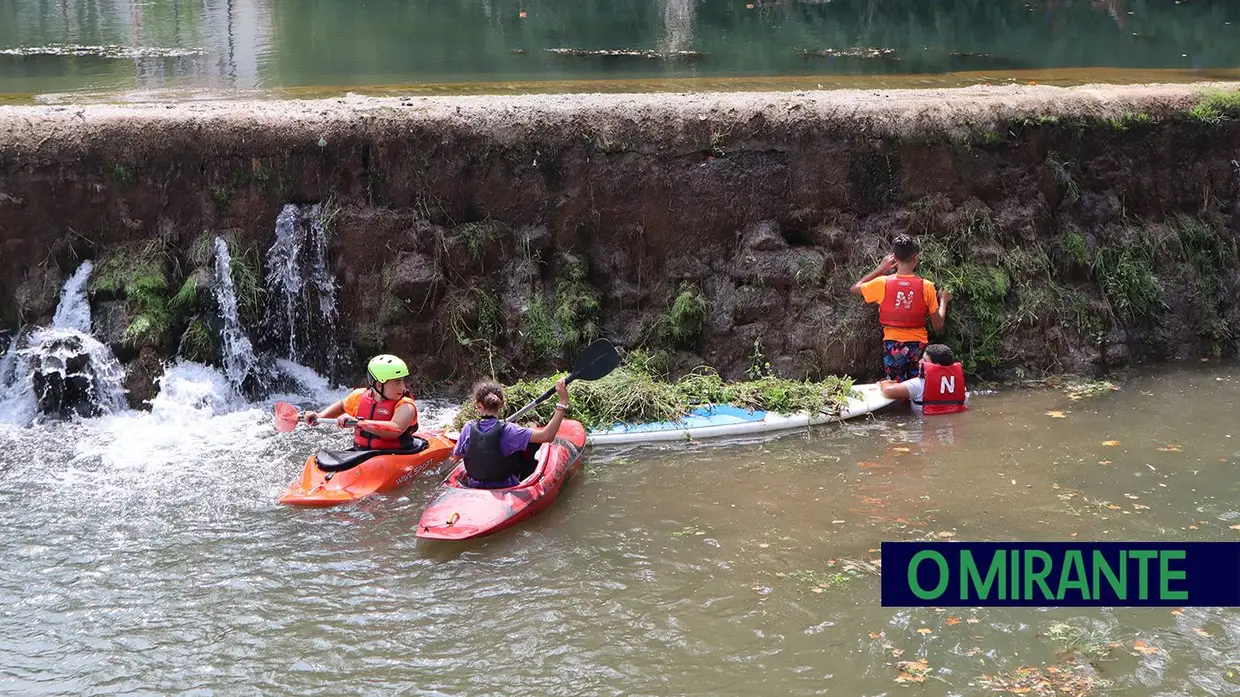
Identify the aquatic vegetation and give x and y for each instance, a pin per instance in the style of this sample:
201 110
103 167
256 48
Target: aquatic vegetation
1079 642
630 394
1051 681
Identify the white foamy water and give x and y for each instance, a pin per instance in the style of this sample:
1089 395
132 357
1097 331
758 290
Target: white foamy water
73 311
108 51
60 355
238 352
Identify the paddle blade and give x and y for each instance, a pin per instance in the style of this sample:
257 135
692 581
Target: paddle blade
596 360
286 417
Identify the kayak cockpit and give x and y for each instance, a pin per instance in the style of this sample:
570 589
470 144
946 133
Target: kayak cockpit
341 460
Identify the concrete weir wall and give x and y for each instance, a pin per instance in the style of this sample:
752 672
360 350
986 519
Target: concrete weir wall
1080 229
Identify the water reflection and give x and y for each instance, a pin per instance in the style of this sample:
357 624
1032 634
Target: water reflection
252 44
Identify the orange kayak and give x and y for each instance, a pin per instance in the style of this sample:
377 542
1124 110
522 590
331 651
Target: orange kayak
332 477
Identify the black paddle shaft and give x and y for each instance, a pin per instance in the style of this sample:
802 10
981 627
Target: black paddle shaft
595 361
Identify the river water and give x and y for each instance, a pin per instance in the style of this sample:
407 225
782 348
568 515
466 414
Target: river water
144 553
62 50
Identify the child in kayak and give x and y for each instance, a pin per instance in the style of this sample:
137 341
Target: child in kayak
496 452
938 389
388 412
904 301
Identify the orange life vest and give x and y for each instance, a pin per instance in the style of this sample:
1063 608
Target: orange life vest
943 391
382 410
904 303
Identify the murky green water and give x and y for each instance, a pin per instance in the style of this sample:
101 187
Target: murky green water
145 554
49 46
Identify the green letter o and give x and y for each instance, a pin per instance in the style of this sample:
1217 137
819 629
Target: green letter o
912 574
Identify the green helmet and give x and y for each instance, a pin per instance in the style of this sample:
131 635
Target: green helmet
386 367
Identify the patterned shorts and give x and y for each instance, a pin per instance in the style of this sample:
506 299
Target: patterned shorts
900 359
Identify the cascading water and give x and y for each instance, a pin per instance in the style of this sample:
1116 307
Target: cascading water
238 352
300 322
73 312
9 361
62 370
678 18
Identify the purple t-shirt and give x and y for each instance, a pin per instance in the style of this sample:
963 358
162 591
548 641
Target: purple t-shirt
514 439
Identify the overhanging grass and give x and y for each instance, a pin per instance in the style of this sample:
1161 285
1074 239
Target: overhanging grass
631 395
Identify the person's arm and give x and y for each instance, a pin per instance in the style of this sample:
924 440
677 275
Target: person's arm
887 264
894 390
546 434
458 450
939 318
397 425
331 412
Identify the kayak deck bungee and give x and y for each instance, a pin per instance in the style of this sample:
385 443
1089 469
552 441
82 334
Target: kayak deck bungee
459 512
332 477
722 420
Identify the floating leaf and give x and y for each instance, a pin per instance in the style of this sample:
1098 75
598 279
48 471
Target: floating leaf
1110 443
1056 414
973 620
901 450
1112 506
876 635
952 621
912 671
896 653
1235 527
1143 647
923 630
1104 462
1201 632
1178 611
1170 449
946 534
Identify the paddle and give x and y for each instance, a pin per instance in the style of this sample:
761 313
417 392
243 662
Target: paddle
596 361
287 417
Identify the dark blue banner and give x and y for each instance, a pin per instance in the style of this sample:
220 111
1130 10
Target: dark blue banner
1061 574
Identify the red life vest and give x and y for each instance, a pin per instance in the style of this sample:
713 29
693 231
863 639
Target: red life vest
904 303
382 410
943 391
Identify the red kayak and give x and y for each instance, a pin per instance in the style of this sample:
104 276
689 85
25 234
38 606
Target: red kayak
460 512
332 477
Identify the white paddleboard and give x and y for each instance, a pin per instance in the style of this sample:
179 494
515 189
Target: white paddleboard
721 420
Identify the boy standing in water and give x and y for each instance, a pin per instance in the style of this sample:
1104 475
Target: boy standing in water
904 301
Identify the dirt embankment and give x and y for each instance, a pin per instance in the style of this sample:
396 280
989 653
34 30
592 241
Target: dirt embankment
1080 229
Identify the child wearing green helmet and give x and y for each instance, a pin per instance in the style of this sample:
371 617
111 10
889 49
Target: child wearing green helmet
387 411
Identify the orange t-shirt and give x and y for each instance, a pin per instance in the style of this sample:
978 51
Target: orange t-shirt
874 291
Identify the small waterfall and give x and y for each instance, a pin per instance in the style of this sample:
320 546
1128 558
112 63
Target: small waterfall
238 352
73 312
678 25
301 318
73 373
62 370
9 362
